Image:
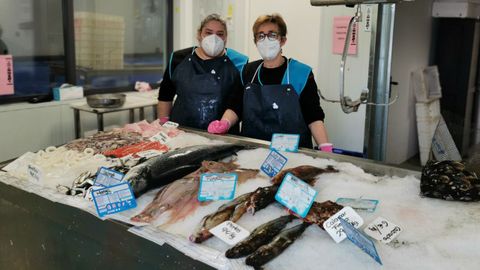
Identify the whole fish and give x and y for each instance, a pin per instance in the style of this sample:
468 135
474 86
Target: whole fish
166 168
260 236
271 250
230 211
261 198
320 212
305 172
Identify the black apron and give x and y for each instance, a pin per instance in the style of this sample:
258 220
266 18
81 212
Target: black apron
201 93
269 109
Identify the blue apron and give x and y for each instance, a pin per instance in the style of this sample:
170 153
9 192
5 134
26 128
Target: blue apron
269 109
201 93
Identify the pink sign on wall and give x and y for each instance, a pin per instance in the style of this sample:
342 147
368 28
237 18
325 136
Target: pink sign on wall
340 27
6 75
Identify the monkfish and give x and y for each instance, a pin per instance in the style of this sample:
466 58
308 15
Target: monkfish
306 172
164 169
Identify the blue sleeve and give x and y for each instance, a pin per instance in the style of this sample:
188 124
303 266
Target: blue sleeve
299 74
238 59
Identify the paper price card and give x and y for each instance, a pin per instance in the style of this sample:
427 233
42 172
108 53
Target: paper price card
107 177
360 240
113 199
149 153
170 124
230 232
35 173
160 137
382 230
273 163
296 195
217 186
359 204
285 142
335 229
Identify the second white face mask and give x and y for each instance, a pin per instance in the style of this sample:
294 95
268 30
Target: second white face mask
213 45
268 49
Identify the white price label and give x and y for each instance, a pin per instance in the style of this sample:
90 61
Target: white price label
160 137
149 153
296 195
229 232
35 174
285 142
368 18
382 230
217 186
170 124
335 229
17 163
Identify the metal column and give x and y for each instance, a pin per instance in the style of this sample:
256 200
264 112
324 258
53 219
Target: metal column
379 83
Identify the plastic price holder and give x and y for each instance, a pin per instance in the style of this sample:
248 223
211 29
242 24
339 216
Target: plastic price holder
335 229
285 142
296 195
274 163
170 124
229 232
107 177
359 203
217 186
360 240
114 199
382 230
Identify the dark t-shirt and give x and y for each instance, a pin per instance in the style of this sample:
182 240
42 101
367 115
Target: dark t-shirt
168 89
309 99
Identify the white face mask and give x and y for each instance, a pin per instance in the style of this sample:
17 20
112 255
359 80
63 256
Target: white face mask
268 49
213 45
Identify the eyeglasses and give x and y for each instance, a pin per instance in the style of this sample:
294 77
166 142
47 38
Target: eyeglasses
271 36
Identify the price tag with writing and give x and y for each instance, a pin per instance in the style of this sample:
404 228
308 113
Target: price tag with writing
273 163
217 186
285 142
170 124
296 195
114 199
335 229
382 230
149 153
360 240
160 137
359 204
35 173
107 177
229 232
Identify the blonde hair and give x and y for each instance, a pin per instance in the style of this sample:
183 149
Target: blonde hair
274 18
209 18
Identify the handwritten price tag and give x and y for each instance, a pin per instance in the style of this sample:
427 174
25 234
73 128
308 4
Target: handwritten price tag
335 229
360 240
217 186
273 163
296 195
382 230
230 232
285 142
35 173
107 177
160 137
114 199
170 124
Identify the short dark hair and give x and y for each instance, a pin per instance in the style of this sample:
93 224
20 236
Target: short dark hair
274 18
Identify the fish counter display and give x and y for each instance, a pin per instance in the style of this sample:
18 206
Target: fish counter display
167 186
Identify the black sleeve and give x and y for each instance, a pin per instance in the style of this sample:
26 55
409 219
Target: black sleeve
167 89
310 102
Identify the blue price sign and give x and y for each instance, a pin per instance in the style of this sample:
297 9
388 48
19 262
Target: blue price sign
107 177
296 195
360 240
285 142
114 199
273 163
217 186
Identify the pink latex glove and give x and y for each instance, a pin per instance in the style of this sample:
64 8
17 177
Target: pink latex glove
326 147
163 119
219 127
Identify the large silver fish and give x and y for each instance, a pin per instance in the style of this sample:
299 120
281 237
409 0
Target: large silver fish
260 236
166 168
281 242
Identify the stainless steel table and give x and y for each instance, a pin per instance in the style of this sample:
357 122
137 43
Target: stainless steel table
131 103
